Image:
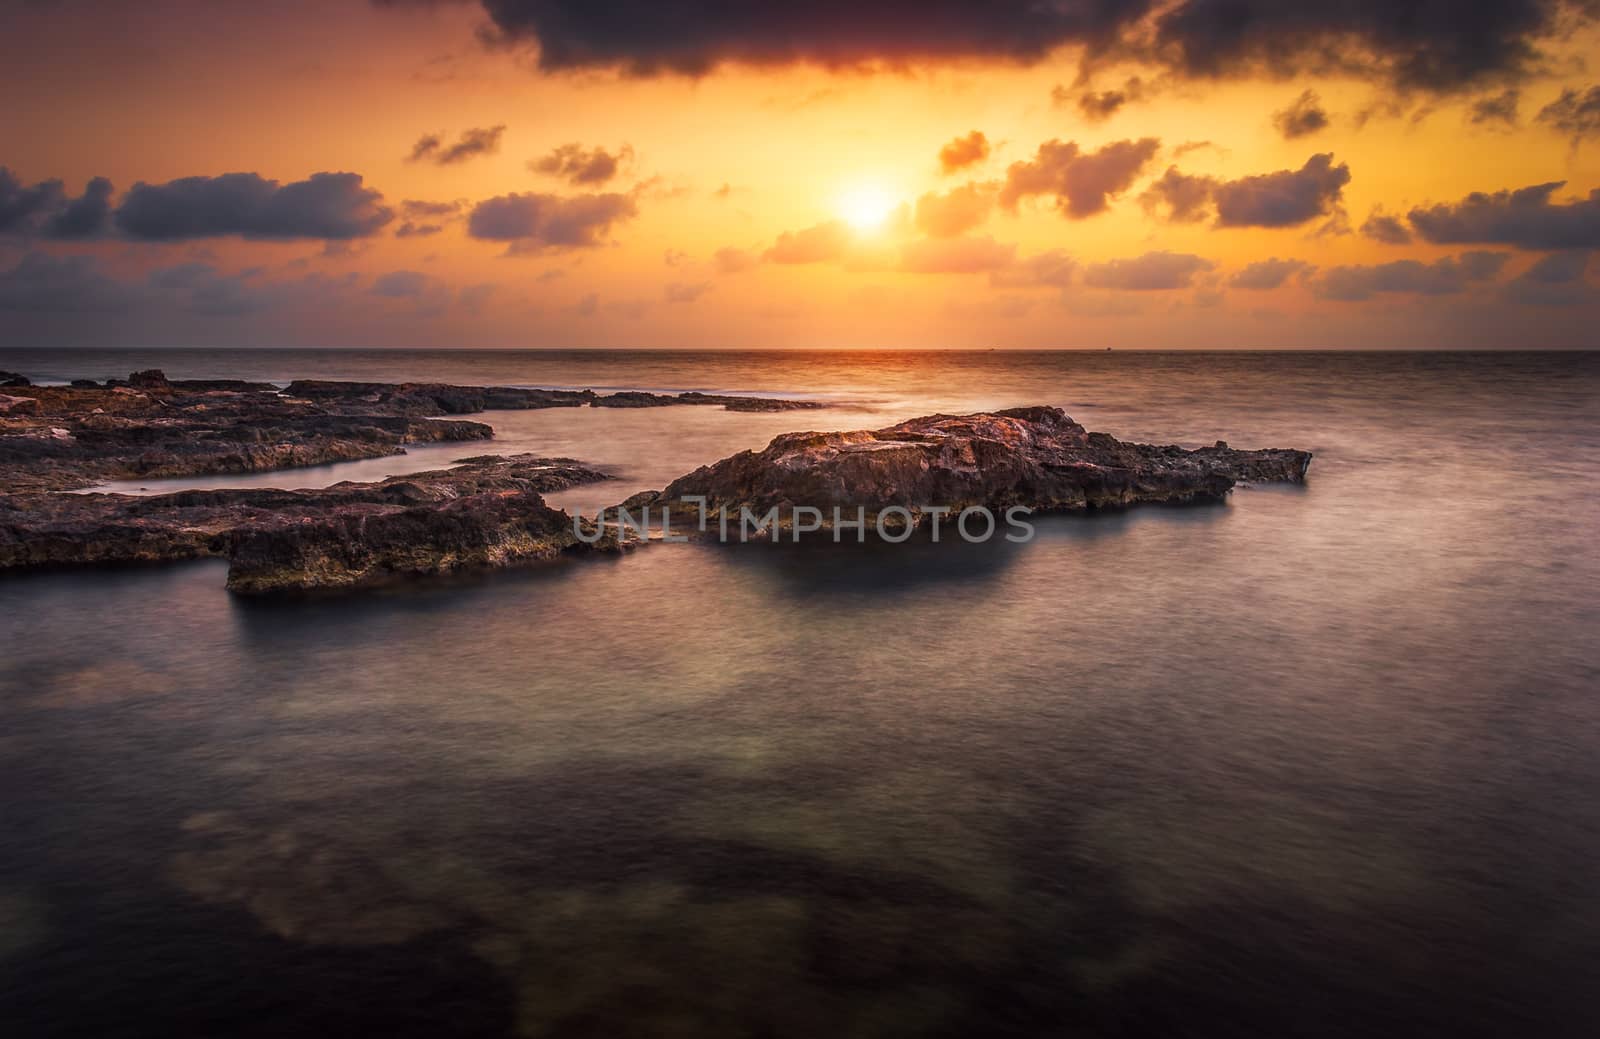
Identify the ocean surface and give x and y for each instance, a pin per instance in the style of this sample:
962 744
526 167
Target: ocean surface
1322 761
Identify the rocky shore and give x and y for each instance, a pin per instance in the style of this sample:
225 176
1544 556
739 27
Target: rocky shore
490 511
66 437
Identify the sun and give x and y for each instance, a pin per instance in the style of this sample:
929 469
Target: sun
866 207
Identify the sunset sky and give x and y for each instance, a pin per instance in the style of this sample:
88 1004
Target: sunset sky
560 173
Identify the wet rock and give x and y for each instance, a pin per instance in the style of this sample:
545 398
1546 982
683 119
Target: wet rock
639 399
13 379
489 511
1035 457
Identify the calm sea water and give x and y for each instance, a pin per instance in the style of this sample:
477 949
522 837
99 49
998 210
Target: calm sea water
1322 761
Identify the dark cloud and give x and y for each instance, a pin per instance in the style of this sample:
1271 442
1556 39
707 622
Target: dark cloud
585 168
479 140
87 216
955 212
43 283
1098 106
963 152
1554 280
1573 113
325 205
817 244
1525 218
642 37
532 222
24 208
45 211
1382 227
956 255
1497 110
1053 269
1152 272
1414 44
1081 182
1303 117
1269 274
1282 199
1444 277
1285 198
1185 197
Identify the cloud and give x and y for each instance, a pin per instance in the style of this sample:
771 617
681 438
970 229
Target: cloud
584 168
43 209
1573 113
1052 269
66 284
963 152
401 284
1269 274
1415 44
1099 106
1284 198
1525 218
1305 116
325 205
1444 277
472 143
1382 227
1554 280
956 255
1152 272
1499 109
424 218
532 222
955 212
816 244
1082 182
729 260
1185 196
683 292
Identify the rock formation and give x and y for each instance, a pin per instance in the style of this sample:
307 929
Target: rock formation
1035 457
488 511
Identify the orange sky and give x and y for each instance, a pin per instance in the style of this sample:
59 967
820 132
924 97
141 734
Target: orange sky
735 159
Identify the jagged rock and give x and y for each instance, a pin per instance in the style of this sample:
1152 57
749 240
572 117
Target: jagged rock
13 379
10 405
489 511
1035 457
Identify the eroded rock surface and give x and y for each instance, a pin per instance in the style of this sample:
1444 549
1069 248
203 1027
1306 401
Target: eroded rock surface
488 511
1035 457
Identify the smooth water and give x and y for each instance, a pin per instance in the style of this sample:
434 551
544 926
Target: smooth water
1322 761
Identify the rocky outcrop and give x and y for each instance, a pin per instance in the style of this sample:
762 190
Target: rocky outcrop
442 399
1035 457
13 379
488 511
638 399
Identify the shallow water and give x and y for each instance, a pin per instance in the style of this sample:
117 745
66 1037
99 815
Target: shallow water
1318 761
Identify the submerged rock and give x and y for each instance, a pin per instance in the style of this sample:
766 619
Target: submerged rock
1035 457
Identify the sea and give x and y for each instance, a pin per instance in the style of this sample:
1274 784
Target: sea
1320 761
